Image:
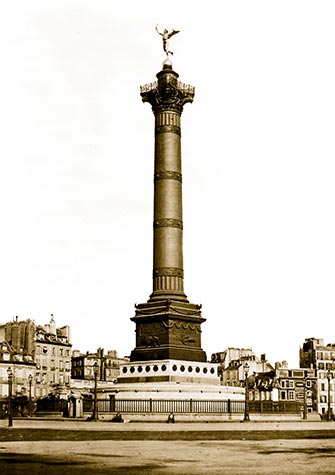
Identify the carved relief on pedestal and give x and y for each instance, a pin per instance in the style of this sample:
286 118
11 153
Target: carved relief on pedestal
186 333
194 327
187 339
151 334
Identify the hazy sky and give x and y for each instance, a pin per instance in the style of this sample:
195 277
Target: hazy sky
258 149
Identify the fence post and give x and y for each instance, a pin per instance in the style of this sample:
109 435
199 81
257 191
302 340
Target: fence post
112 403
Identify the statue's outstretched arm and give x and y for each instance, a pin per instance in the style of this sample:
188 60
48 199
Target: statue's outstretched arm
173 32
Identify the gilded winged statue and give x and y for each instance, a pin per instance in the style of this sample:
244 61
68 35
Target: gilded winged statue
166 35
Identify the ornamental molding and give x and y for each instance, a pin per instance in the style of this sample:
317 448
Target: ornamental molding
194 327
168 175
168 223
168 271
163 129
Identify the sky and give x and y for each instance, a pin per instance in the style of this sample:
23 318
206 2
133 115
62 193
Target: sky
258 151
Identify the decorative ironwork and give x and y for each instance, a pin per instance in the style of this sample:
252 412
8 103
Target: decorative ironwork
167 93
151 86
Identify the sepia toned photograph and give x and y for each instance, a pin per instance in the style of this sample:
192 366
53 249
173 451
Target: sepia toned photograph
167 245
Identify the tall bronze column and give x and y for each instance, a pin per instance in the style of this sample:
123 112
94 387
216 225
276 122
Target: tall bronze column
168 326
167 98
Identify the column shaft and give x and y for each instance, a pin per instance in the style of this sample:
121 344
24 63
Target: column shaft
168 271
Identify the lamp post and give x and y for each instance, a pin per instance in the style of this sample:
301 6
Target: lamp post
304 414
10 388
246 368
30 379
95 406
329 377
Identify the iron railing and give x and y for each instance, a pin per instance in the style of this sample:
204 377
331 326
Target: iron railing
165 406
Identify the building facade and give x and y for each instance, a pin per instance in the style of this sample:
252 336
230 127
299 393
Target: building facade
44 352
22 368
232 365
53 352
314 354
108 365
299 385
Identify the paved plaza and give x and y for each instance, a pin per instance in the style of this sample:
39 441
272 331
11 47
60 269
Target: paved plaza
73 447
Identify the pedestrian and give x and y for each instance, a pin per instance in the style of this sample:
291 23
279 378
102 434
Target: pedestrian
170 419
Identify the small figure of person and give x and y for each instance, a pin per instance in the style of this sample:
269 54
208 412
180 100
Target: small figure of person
117 418
166 36
170 419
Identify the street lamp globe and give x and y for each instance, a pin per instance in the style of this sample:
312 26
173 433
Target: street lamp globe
246 367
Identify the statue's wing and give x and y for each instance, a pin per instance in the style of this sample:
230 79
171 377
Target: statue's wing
173 32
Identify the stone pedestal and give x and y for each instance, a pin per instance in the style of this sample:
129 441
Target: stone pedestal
168 329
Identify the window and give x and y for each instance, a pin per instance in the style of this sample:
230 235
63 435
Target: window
283 395
291 395
323 399
290 384
282 383
298 374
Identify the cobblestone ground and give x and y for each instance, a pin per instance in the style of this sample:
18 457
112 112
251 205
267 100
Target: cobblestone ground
313 453
169 458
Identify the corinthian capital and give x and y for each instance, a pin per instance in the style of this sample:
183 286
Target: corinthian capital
167 93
